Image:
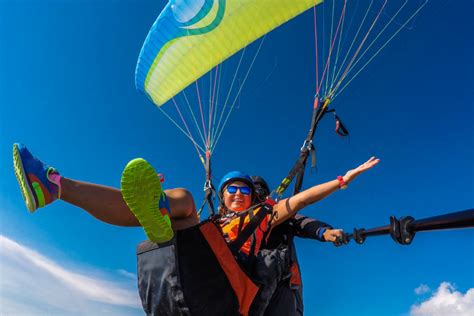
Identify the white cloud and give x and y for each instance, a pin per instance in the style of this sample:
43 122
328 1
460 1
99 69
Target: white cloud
422 289
446 301
31 283
127 274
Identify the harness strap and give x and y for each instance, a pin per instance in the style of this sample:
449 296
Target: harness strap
250 228
267 232
241 224
300 174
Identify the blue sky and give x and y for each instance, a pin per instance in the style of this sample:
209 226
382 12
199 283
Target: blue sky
67 91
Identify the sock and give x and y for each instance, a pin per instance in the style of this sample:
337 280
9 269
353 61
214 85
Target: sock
55 178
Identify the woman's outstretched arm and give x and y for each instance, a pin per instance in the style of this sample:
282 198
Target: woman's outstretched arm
286 208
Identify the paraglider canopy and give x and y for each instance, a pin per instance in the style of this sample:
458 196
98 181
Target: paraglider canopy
190 37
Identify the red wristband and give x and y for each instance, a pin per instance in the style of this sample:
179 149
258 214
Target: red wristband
342 183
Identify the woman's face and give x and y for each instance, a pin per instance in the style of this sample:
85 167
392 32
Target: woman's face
237 201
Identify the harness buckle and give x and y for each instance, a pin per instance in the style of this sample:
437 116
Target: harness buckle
307 145
208 185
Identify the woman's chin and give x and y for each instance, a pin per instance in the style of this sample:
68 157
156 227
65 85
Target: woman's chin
238 207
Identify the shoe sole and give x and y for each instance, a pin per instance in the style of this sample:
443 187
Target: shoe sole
22 179
141 190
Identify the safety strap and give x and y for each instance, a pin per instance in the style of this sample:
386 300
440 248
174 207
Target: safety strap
241 224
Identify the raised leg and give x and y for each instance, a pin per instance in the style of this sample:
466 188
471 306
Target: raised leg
42 184
107 204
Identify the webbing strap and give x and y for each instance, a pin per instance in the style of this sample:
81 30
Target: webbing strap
241 224
297 167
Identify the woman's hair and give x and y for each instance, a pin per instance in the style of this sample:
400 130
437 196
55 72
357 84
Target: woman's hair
221 209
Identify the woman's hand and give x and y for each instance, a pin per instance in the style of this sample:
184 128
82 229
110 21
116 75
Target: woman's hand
352 174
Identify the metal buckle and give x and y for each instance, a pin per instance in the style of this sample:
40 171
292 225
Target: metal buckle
308 145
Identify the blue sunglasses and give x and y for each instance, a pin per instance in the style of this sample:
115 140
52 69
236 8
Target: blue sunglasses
232 189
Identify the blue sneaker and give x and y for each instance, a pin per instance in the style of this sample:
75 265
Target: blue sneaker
32 175
141 190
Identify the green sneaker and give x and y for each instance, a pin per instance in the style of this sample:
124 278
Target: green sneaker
141 190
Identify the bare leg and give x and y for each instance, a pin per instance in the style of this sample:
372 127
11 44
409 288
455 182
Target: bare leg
183 210
106 204
102 202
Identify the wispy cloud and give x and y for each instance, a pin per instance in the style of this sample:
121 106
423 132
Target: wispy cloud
446 301
31 283
422 289
127 274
